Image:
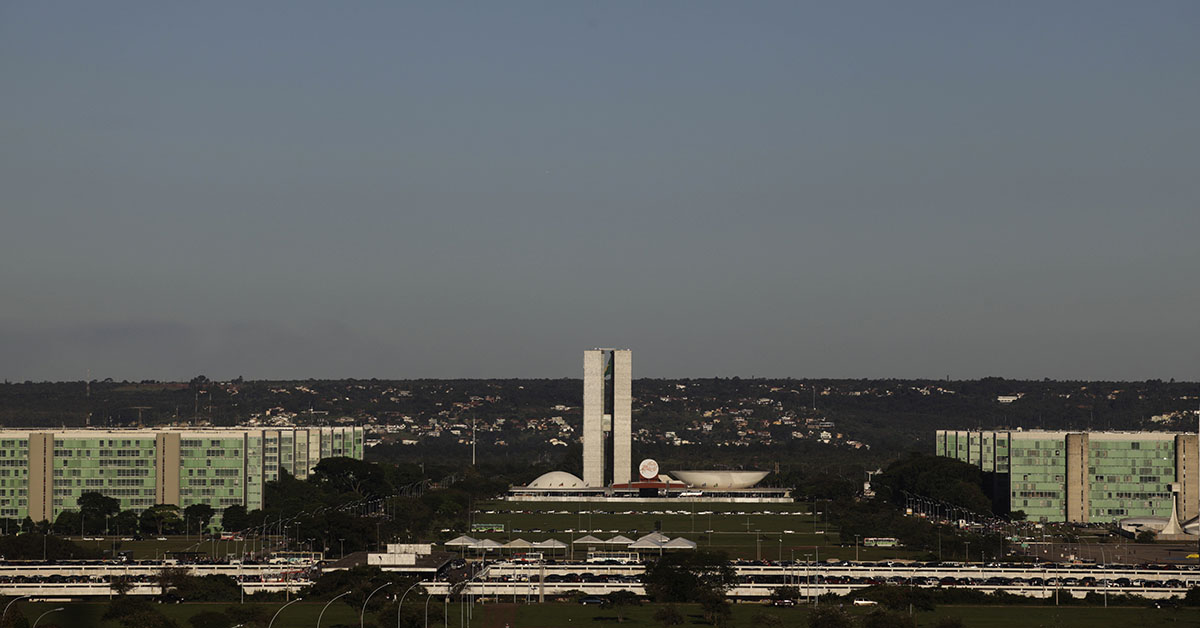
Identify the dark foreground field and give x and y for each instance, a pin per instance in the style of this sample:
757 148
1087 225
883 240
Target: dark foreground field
560 615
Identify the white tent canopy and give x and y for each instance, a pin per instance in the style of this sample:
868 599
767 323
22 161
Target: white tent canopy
620 540
486 544
679 543
589 539
461 541
647 543
518 543
549 544
657 537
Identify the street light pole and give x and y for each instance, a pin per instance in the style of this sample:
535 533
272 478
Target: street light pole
363 612
856 548
427 598
10 603
400 606
331 601
53 610
272 623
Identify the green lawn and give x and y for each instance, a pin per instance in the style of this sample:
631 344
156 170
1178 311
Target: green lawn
87 615
748 535
559 615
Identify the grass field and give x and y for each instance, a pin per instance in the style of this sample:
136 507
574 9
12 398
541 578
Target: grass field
742 530
87 615
558 615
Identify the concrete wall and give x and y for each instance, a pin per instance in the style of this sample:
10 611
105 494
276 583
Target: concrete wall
622 416
41 476
1078 487
1187 469
593 418
166 459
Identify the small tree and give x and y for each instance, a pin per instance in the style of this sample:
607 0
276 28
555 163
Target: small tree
94 504
121 585
829 617
160 518
668 616
1146 536
716 608
198 514
235 518
618 601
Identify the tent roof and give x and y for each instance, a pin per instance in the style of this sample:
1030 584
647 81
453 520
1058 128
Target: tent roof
619 540
550 544
518 544
463 540
588 539
679 543
655 536
645 543
486 544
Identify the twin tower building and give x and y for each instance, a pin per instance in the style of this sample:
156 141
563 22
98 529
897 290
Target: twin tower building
607 416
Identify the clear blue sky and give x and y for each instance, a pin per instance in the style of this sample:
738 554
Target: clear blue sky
484 189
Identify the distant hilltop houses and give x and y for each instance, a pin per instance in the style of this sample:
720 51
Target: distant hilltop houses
543 415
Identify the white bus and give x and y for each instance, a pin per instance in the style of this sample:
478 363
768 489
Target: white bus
614 558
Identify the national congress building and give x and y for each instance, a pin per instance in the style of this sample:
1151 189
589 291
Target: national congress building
43 471
1084 477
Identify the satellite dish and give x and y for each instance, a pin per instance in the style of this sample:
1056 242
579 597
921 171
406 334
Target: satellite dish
648 469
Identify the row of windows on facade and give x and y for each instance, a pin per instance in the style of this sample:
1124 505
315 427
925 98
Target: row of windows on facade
212 482
114 492
121 473
207 492
1054 494
1098 480
1154 512
59 503
89 444
103 453
210 453
187 442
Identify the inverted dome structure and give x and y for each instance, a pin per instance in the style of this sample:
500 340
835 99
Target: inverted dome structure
720 479
557 479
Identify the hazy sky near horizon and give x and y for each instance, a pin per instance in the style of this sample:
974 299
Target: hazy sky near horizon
485 189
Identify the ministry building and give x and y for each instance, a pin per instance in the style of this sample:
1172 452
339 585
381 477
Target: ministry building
1083 477
44 471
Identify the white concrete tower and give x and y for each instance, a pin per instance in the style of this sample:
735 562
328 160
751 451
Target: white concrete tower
622 413
593 418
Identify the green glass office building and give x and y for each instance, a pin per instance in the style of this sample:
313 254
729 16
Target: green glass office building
1084 477
43 472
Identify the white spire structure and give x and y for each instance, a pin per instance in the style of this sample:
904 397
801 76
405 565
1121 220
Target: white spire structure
1173 526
